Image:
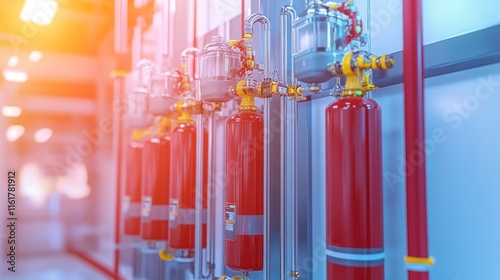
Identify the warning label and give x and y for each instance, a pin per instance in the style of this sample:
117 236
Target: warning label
230 232
146 206
173 209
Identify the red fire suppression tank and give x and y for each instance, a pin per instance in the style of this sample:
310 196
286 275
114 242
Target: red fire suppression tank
183 185
354 229
244 209
156 176
133 191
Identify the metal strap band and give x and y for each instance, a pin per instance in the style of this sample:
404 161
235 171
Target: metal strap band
419 264
356 257
354 263
249 224
187 216
133 210
357 251
159 213
417 267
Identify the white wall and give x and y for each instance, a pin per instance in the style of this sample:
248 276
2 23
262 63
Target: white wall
442 20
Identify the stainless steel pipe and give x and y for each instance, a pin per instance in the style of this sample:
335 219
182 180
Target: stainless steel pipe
267 187
288 11
293 210
250 21
198 237
211 196
283 117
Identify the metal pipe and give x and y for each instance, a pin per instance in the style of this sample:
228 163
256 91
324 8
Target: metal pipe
198 250
211 197
283 161
120 47
250 21
198 239
283 44
284 12
120 30
184 61
283 115
164 34
416 199
267 187
137 42
293 210
309 2
118 87
242 17
369 43
288 10
171 20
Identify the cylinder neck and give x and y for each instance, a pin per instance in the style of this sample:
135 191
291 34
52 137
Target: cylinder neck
247 104
137 135
161 125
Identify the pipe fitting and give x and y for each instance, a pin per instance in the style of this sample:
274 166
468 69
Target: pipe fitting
250 21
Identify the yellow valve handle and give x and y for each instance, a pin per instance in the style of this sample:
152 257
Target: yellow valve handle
184 114
334 6
416 260
233 43
166 256
119 73
137 134
166 122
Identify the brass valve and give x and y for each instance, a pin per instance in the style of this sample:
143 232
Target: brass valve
294 274
183 80
355 66
247 57
295 92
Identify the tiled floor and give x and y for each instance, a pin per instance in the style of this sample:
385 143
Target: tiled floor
52 267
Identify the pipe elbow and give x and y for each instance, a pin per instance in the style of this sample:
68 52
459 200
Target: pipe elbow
288 10
252 19
187 52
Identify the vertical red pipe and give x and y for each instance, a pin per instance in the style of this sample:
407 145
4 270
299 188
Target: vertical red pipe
414 134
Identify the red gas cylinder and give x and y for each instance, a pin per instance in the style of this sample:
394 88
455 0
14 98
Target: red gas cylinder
183 186
156 180
354 217
133 191
244 210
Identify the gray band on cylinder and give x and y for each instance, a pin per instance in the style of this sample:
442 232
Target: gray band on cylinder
249 224
186 216
133 210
